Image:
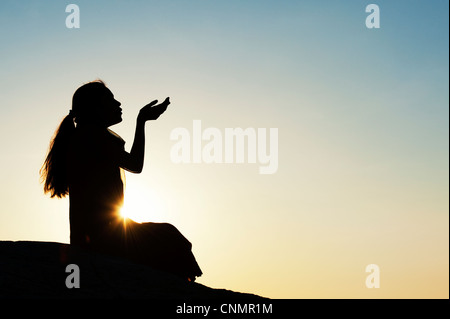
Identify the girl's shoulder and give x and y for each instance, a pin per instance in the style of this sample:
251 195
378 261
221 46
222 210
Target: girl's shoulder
116 136
116 139
87 138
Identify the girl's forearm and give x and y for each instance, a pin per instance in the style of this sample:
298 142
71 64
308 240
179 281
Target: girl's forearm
138 148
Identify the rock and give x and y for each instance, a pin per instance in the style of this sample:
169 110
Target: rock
38 270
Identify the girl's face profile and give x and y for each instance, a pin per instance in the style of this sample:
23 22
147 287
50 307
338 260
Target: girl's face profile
110 109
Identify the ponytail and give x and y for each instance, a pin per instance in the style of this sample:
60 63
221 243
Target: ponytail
54 170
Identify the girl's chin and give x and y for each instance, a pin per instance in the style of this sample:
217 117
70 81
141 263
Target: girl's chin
117 121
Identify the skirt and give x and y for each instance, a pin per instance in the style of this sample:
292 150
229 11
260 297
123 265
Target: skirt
158 245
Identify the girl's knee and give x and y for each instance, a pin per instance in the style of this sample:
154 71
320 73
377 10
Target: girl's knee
169 227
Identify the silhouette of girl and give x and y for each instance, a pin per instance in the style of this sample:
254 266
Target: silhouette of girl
85 161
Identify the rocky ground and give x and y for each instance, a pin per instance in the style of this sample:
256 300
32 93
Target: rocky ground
38 270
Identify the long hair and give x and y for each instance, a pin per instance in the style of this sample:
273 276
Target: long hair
54 170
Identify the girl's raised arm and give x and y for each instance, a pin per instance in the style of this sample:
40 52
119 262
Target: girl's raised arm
134 161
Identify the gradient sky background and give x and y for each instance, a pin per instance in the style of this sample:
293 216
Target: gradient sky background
362 114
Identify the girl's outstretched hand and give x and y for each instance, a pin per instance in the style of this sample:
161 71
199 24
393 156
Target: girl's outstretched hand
152 111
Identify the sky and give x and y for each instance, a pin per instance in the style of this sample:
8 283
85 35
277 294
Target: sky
362 116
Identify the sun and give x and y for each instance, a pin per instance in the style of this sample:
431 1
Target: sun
142 204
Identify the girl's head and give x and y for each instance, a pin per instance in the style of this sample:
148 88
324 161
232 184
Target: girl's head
92 104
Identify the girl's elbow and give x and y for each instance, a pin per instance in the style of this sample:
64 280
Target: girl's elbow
136 169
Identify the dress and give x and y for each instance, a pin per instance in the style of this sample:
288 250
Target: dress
96 195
